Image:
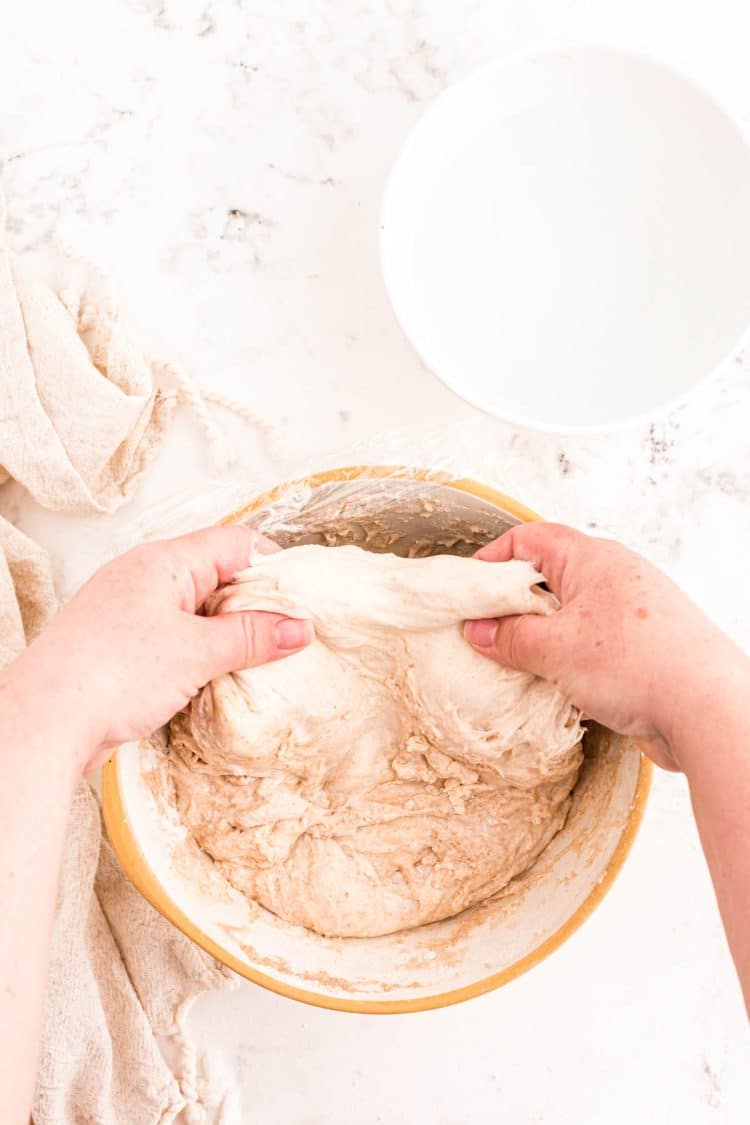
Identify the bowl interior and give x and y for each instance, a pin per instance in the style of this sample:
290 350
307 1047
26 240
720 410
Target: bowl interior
432 965
565 237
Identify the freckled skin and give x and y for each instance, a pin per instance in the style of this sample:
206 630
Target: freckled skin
633 652
615 675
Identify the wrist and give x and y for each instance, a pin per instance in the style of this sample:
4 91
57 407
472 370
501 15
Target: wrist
703 697
44 699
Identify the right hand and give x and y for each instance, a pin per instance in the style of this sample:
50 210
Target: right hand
628 646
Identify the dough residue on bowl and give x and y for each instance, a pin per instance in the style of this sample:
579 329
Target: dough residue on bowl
387 776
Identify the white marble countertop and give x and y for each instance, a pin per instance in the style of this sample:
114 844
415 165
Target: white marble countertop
225 161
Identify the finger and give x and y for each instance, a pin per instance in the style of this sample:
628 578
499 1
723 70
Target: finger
525 642
215 554
546 545
247 639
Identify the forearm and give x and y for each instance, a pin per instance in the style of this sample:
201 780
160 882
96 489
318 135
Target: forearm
40 755
127 652
710 738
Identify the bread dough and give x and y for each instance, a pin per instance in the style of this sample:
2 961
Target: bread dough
386 776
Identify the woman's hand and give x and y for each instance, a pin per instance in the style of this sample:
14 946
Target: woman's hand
131 648
628 647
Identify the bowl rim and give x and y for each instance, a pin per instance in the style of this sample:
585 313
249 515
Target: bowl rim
524 56
139 872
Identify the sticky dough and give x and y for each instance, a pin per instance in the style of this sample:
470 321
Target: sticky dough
387 776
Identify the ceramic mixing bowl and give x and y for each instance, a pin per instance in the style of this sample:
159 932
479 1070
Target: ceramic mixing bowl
406 511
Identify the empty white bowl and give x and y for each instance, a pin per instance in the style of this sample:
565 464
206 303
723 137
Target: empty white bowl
566 238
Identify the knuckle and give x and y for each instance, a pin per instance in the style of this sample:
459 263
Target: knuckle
562 535
516 643
136 555
508 643
249 639
538 540
148 556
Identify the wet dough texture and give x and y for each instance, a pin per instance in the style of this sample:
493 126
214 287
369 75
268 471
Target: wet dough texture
387 776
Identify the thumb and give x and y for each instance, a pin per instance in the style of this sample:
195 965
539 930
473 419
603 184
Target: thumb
524 642
246 639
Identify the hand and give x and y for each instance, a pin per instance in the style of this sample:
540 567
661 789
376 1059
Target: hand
628 647
131 648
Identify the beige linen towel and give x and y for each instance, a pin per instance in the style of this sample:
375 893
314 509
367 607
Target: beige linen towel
80 420
120 975
80 415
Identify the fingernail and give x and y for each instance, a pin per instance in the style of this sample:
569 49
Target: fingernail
292 634
481 634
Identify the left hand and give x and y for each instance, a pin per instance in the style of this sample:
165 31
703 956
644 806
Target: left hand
131 648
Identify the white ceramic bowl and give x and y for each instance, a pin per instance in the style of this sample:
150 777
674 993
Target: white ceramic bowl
565 238
426 967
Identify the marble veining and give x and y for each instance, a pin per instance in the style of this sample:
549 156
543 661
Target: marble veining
225 162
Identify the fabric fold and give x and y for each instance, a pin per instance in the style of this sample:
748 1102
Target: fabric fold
81 417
